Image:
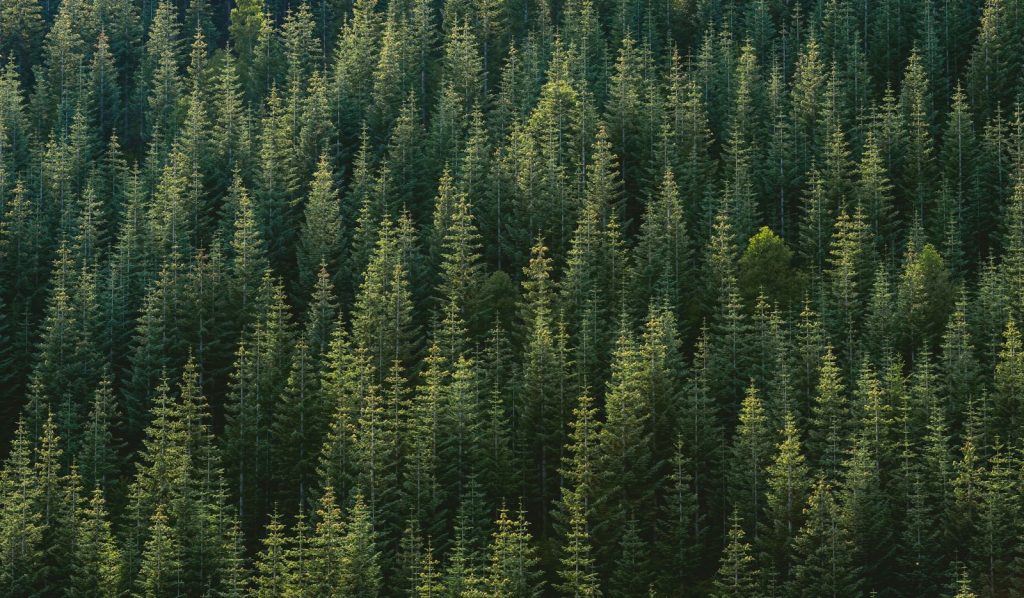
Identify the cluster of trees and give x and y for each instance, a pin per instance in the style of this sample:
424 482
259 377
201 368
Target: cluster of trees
512 298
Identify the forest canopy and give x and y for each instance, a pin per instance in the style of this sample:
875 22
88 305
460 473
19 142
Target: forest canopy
511 298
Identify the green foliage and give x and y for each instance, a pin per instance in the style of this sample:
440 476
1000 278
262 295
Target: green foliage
766 266
318 286
737 575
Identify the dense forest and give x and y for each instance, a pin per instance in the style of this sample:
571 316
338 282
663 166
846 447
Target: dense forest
494 298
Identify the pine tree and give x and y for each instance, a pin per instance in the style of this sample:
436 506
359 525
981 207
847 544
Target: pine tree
299 426
161 67
353 69
845 282
737 575
575 509
377 449
247 250
272 561
428 578
789 486
577 575
459 251
544 396
995 63
99 459
874 193
21 520
382 317
830 426
916 185
20 26
511 570
97 566
360 573
161 568
625 471
323 234
230 138
1008 377
324 554
959 369
662 253
632 114
998 523
595 265
823 559
751 447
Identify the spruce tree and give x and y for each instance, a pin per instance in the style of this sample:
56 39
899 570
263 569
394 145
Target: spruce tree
737 575
97 566
822 551
323 236
161 568
789 485
751 449
512 562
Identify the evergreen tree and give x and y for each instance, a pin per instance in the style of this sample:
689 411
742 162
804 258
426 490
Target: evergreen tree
99 459
737 575
663 249
751 449
272 562
544 396
97 566
830 420
575 509
161 568
822 551
360 571
789 485
322 238
22 520
511 569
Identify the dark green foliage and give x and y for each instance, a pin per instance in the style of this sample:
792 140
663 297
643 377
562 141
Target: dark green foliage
766 266
725 296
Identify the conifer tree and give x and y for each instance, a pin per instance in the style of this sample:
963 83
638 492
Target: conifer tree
459 250
737 575
995 63
382 322
161 568
96 566
360 571
1006 381
99 459
998 523
830 413
322 238
662 253
22 522
751 450
625 468
511 569
789 485
575 507
822 551
845 282
545 397
272 562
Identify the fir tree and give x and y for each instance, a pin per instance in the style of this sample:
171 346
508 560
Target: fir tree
737 575
822 551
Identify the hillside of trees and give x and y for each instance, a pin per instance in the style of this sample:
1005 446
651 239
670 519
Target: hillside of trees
512 298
